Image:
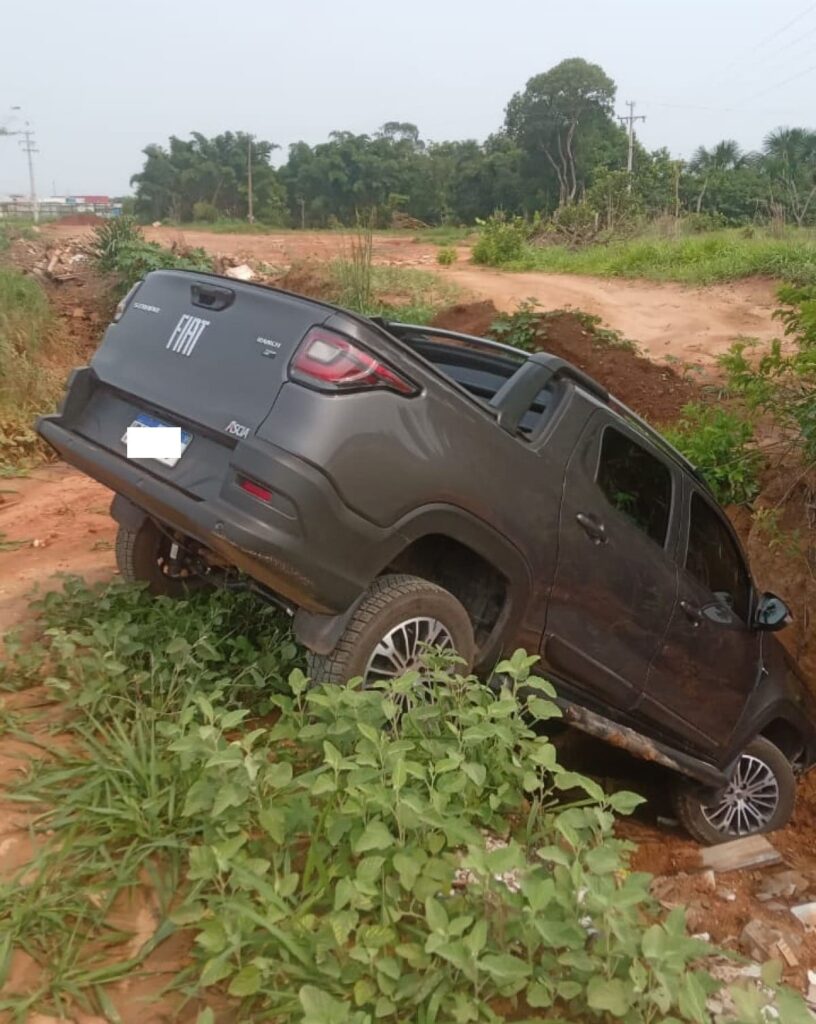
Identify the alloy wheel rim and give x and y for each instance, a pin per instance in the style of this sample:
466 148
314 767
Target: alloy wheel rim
749 801
403 647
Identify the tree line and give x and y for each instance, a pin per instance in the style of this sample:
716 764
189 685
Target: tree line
559 152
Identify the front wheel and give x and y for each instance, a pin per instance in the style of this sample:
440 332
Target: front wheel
398 620
759 798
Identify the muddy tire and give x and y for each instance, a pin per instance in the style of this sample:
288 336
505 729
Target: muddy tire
759 798
386 634
139 558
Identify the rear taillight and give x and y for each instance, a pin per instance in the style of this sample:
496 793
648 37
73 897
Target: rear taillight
330 362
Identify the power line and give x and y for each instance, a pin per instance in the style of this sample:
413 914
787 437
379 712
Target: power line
762 42
778 85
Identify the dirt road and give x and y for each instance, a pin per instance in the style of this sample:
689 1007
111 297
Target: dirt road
59 518
694 325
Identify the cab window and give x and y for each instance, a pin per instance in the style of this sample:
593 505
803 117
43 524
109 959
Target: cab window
636 483
714 559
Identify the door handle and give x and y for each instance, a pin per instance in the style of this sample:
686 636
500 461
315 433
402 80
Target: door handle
592 527
693 614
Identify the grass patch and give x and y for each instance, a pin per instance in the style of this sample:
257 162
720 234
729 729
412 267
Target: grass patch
27 384
697 259
399 293
444 235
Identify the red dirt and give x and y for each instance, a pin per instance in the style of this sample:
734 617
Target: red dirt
655 392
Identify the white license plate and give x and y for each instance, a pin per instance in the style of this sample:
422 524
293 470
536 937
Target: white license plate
143 420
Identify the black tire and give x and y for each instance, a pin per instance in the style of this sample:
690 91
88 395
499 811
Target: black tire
695 812
392 600
139 554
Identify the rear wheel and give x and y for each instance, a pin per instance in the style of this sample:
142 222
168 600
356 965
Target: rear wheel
400 617
145 556
759 798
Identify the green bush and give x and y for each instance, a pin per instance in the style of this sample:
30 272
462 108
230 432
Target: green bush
519 328
354 855
119 247
782 382
501 240
446 256
206 212
719 443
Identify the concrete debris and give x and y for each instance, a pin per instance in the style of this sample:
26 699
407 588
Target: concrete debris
243 272
749 852
727 895
758 940
811 993
782 884
787 953
806 913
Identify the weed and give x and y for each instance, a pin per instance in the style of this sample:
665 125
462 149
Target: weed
719 443
119 248
502 240
400 293
520 328
356 269
11 545
446 256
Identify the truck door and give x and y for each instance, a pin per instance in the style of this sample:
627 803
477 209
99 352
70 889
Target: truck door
710 658
616 578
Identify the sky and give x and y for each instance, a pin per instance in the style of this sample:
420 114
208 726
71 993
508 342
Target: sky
98 80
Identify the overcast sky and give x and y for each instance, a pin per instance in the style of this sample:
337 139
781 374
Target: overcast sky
100 79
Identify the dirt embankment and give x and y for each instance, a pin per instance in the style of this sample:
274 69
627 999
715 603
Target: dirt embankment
656 392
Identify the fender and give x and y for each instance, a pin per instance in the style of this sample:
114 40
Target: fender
320 633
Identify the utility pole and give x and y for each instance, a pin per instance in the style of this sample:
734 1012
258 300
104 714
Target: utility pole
250 217
29 148
629 120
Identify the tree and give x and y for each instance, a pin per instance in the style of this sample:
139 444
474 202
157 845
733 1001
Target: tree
557 112
790 160
725 156
212 172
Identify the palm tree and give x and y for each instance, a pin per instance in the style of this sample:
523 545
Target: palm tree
790 159
725 156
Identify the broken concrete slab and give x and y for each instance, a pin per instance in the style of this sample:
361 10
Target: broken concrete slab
243 272
782 884
806 913
748 852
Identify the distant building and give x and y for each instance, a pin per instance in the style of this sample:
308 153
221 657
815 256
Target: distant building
59 206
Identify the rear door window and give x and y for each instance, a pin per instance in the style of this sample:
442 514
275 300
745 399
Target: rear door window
636 483
714 559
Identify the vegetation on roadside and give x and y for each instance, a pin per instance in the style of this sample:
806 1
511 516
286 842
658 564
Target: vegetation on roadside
720 443
526 327
336 854
695 259
781 382
120 248
27 383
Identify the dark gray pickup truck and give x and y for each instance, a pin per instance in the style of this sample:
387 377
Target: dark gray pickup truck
395 486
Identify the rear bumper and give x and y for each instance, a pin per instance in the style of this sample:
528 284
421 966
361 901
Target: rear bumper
308 547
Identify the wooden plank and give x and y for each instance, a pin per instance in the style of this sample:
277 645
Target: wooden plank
748 852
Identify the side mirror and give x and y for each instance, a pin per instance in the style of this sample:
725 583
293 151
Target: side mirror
771 613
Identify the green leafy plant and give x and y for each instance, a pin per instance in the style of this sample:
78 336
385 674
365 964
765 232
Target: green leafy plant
720 444
502 239
339 853
118 247
782 381
520 328
446 256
